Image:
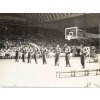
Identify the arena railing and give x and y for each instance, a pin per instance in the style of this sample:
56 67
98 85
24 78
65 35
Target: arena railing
79 73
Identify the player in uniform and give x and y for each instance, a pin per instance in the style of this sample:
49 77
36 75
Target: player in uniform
44 52
57 53
67 55
17 55
35 54
82 56
23 55
29 56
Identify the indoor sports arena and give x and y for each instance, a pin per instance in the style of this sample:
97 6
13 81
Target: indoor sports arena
49 50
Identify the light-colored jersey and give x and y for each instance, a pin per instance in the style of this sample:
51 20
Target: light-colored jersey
67 49
82 51
58 51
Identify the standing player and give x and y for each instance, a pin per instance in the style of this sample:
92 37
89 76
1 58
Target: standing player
17 55
29 56
23 55
67 55
57 53
82 54
35 54
44 52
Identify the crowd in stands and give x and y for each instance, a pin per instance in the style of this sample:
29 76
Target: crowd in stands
10 43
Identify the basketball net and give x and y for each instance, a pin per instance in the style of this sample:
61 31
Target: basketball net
68 37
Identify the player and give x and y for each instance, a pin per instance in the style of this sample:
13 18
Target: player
44 52
29 56
35 54
57 53
67 50
82 56
23 55
17 55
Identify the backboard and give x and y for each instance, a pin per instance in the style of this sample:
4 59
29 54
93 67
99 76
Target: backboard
74 33
71 33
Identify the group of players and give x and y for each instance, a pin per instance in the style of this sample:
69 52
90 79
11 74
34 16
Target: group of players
43 50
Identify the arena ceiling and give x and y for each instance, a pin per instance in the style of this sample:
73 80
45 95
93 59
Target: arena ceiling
34 18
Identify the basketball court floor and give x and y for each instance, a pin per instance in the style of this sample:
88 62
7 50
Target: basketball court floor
19 74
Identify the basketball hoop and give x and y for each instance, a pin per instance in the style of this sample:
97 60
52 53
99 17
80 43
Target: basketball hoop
71 33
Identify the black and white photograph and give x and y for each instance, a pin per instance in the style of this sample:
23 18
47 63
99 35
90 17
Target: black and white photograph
50 50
